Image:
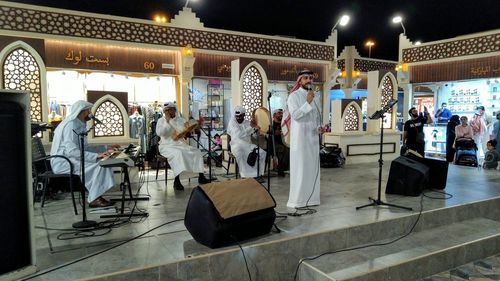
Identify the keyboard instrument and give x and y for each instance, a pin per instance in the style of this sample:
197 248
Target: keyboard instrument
122 158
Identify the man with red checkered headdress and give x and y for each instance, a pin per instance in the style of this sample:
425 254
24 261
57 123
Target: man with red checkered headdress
302 122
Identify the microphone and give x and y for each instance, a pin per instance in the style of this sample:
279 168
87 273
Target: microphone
309 87
270 93
97 121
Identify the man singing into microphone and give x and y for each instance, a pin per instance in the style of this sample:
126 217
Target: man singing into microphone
67 143
302 121
241 131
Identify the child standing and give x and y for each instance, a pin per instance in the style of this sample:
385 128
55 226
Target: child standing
492 156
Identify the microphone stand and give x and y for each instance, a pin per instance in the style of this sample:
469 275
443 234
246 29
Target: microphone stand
270 142
377 202
84 223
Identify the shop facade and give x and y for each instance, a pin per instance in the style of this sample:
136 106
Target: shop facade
125 64
463 72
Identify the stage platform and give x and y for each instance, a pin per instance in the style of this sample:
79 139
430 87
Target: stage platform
449 233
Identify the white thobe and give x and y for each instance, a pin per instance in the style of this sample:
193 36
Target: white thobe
181 156
97 179
241 146
304 150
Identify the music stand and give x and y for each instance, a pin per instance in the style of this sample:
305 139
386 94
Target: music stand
380 115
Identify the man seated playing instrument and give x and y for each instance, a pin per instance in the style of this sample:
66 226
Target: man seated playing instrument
66 142
181 156
241 131
282 152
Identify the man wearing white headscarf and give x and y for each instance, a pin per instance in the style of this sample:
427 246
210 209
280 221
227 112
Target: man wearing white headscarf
181 156
302 117
282 151
66 142
241 131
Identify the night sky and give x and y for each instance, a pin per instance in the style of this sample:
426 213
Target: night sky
424 20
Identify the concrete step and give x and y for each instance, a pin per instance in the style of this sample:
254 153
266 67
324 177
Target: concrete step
418 255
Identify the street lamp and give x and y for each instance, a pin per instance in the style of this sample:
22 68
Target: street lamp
187 2
370 44
343 21
399 19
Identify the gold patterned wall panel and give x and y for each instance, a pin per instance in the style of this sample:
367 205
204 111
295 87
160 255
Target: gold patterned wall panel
252 86
21 72
113 123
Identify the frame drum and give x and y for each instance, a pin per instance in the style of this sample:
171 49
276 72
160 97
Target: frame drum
261 117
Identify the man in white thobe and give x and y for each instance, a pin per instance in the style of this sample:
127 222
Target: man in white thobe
181 156
241 131
66 142
302 122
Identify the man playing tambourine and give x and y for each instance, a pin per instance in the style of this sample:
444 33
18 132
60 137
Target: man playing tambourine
241 131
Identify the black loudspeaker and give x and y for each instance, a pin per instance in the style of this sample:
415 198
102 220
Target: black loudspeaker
407 177
438 171
17 244
223 213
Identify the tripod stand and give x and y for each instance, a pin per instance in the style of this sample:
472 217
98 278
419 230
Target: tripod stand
377 202
210 157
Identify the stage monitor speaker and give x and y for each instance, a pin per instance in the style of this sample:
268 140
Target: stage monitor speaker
438 171
407 177
17 258
223 213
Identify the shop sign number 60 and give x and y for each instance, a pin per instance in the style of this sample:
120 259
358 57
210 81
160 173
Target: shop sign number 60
149 65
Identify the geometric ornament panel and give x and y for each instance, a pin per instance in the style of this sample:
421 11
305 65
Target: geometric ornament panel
351 120
21 72
112 120
387 95
252 91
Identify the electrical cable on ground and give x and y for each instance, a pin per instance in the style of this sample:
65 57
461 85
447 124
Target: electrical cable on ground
98 252
363 246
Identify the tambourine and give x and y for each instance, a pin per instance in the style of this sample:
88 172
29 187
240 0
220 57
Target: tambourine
261 117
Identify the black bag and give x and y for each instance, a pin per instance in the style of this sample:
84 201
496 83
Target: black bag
252 157
331 157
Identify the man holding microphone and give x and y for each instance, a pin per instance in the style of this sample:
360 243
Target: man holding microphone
302 121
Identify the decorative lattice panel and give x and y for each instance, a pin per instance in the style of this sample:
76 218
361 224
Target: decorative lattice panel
341 64
452 49
63 24
372 65
252 90
21 72
351 120
387 95
112 120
